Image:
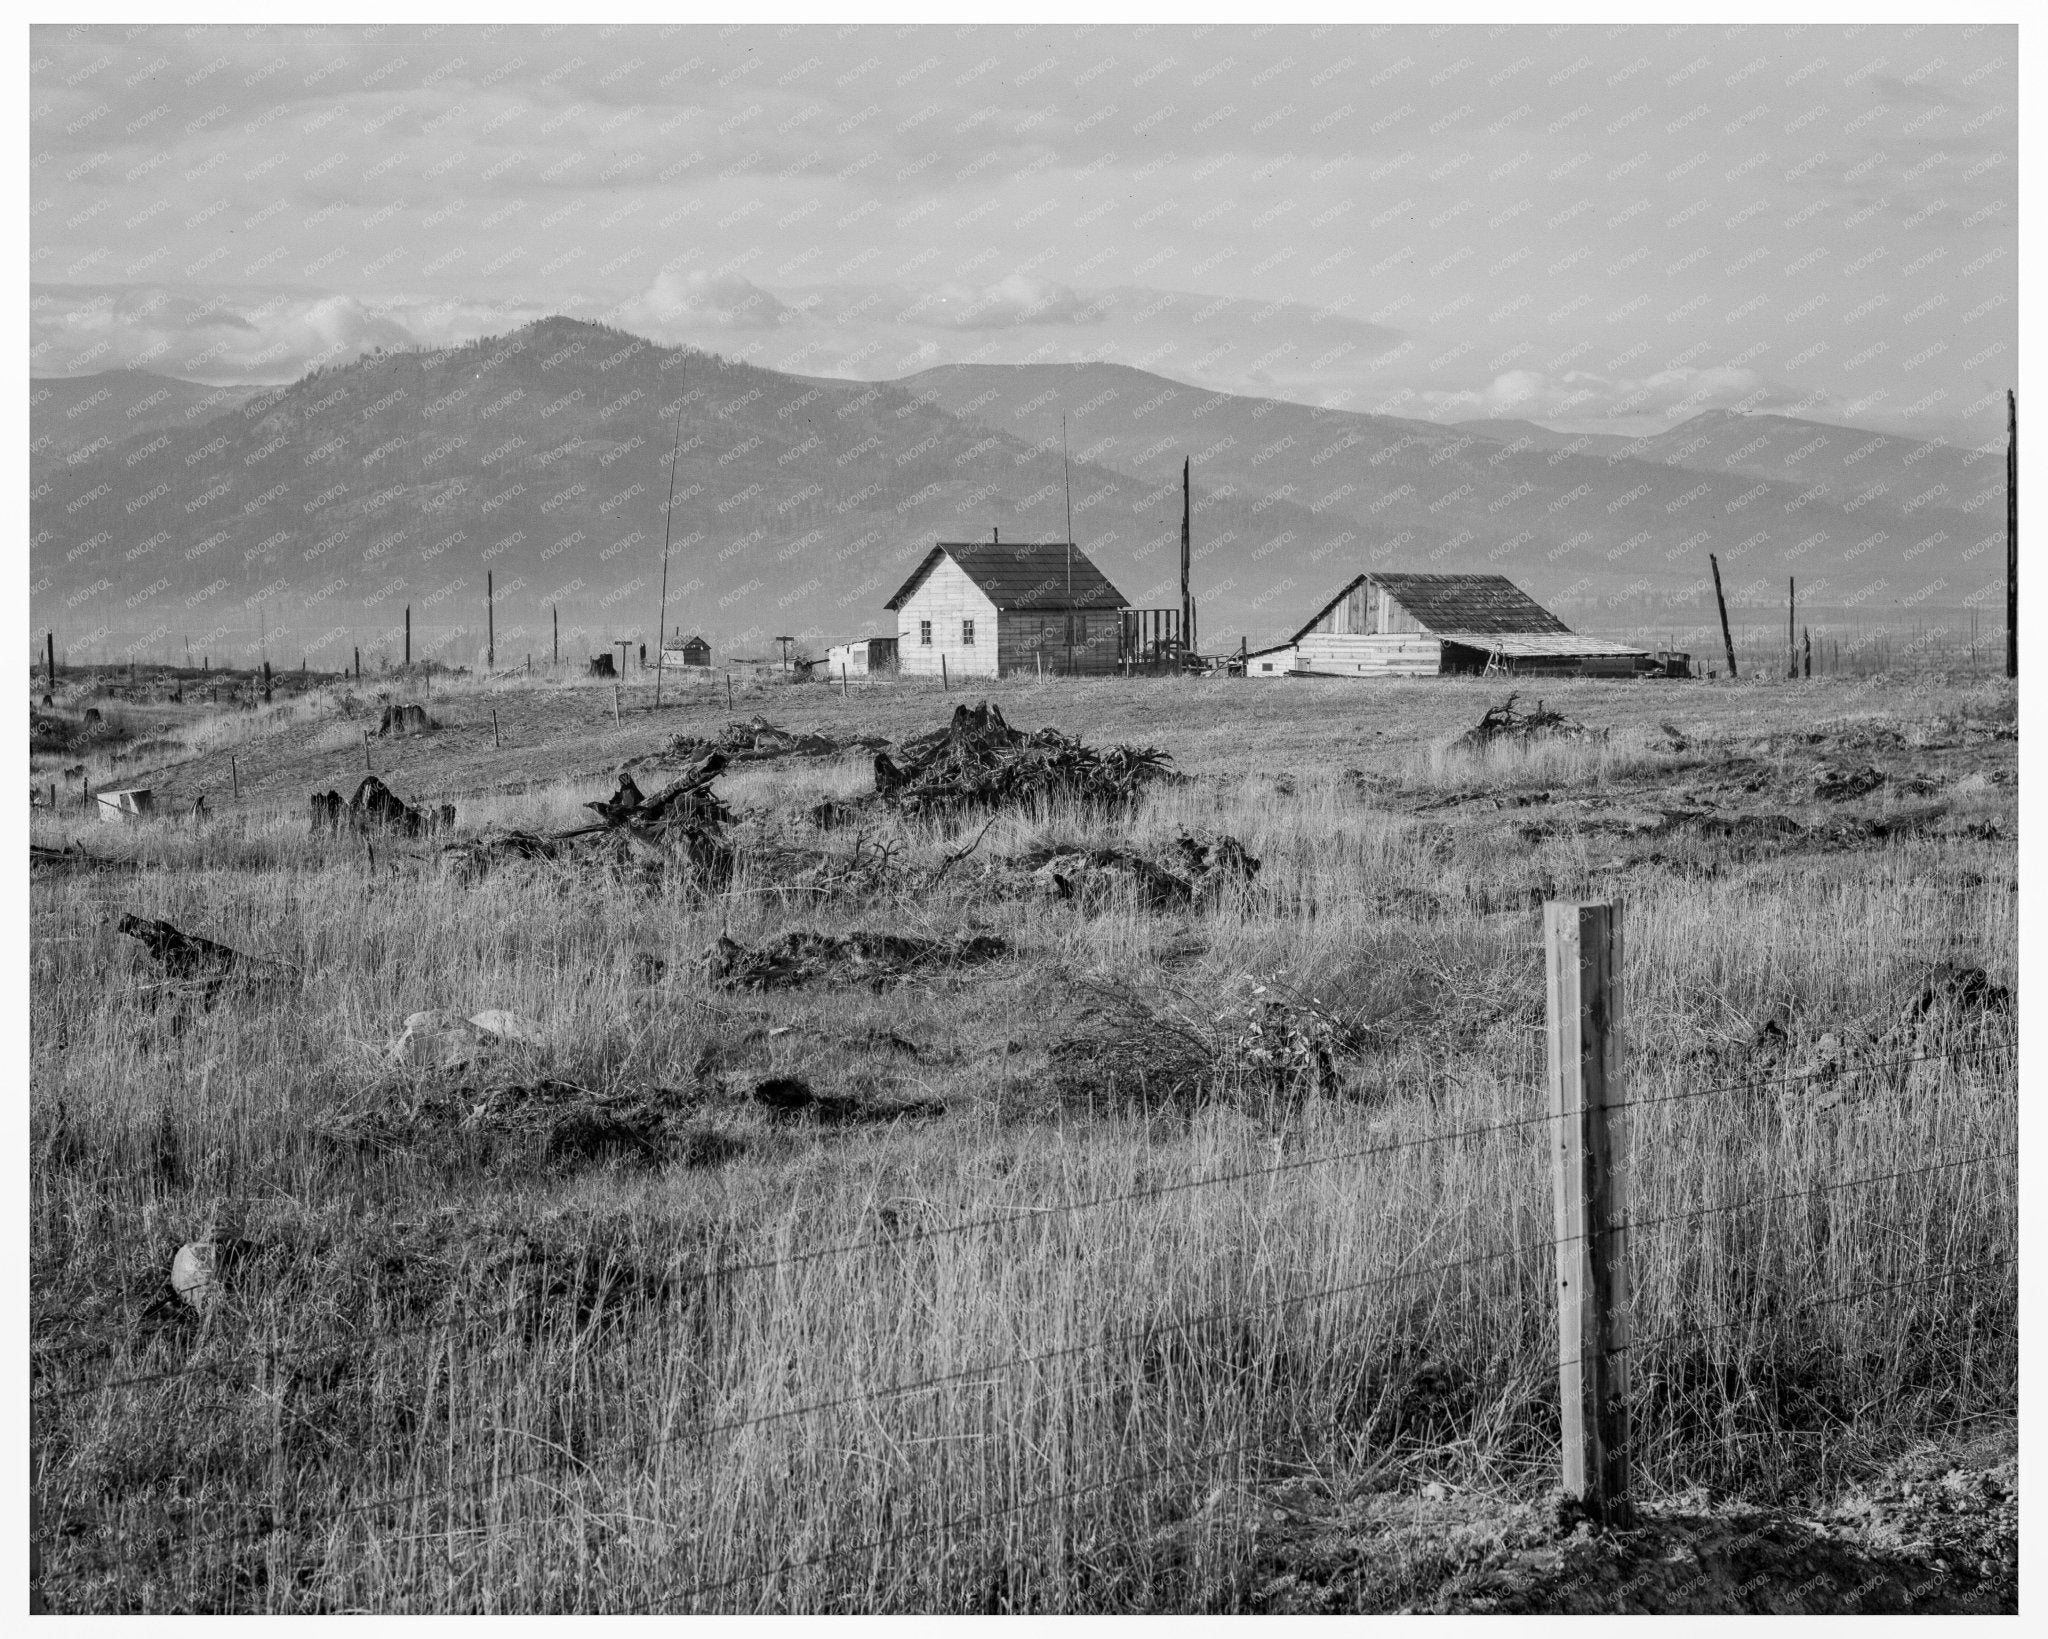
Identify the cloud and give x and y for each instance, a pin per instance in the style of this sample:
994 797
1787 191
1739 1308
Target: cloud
222 336
677 305
1015 300
1584 401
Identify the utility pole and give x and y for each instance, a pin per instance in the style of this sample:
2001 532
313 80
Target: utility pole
555 614
667 522
2012 533
1067 468
1791 626
490 624
1727 642
408 636
50 659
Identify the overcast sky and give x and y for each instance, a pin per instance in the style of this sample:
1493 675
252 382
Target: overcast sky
1600 228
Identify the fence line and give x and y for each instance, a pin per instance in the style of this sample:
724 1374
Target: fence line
1028 1215
1799 1304
1145 1334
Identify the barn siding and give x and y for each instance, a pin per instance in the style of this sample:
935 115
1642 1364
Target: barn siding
1397 655
946 597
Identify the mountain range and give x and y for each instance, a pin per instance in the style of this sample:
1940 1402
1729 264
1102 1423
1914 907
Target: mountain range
310 516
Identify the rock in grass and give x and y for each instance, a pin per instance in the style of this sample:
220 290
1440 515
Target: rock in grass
506 1025
201 1270
192 1273
436 1039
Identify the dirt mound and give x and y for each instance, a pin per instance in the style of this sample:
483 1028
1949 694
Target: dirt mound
549 1120
1844 784
790 1099
803 956
1934 1533
1266 1041
979 762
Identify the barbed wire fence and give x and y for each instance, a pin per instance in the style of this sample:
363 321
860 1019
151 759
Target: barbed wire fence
1595 1347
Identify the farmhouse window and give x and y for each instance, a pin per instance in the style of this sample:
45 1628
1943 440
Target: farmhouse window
924 633
967 632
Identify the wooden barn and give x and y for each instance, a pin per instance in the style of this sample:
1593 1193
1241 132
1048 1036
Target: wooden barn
863 657
986 608
1414 625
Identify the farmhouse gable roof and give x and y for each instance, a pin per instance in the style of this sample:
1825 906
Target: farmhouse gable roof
1021 575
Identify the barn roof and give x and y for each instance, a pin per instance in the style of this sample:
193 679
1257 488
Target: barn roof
1021 575
1528 645
1455 604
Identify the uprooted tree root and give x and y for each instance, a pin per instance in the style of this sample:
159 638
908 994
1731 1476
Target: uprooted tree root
683 831
1212 869
758 740
978 762
1506 722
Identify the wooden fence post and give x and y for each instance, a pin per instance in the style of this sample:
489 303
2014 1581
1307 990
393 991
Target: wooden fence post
1582 949
494 731
615 702
944 682
235 778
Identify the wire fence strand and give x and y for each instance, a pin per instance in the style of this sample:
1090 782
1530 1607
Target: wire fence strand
723 1272
1150 1333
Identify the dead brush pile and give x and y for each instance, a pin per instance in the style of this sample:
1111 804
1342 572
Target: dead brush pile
758 740
1210 870
683 832
1267 1043
1508 723
978 763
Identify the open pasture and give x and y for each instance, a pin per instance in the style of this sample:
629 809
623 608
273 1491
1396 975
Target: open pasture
1182 1251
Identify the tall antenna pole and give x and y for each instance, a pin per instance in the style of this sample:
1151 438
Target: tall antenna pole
490 624
2012 533
667 522
1187 606
1067 467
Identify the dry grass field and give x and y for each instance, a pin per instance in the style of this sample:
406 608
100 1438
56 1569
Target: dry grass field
1150 1254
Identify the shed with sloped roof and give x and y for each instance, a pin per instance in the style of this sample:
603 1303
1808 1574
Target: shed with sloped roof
983 608
1388 624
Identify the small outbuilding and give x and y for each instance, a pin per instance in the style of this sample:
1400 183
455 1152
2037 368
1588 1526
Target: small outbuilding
1385 624
127 806
863 657
985 608
686 654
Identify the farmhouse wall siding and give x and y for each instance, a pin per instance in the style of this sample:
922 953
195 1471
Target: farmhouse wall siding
946 597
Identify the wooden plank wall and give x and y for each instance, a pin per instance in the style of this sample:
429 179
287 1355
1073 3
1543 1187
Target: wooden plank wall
1369 656
1029 634
946 598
